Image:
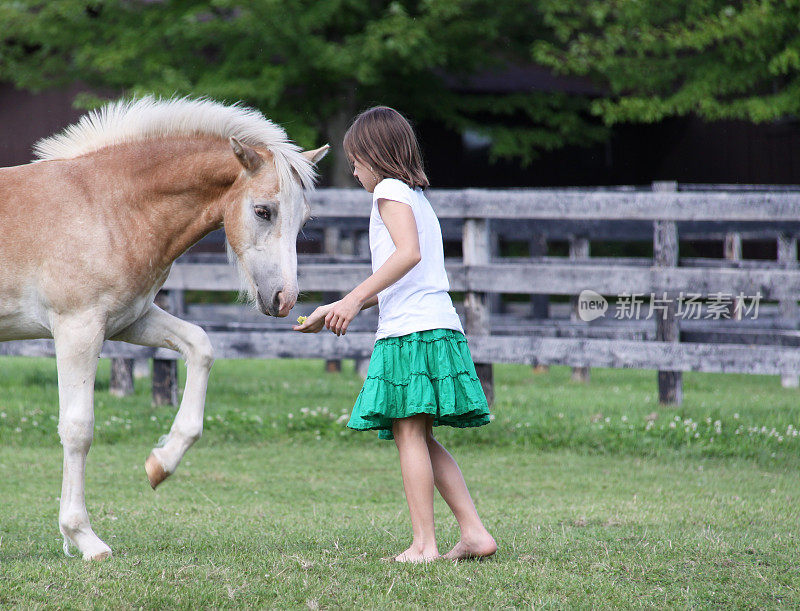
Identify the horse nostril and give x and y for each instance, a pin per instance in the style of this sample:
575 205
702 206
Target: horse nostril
277 300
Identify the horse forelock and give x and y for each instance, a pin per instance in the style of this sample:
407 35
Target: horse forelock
150 118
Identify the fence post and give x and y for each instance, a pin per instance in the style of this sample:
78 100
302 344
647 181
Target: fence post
476 250
665 254
732 251
578 249
331 238
495 299
787 305
361 248
540 304
121 381
165 373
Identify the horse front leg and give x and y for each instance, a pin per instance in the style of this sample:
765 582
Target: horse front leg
78 341
159 329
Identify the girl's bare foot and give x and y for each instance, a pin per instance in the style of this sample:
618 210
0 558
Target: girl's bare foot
473 548
414 554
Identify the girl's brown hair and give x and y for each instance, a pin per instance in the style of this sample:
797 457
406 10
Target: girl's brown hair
383 139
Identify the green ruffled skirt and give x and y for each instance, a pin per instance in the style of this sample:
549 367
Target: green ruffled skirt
426 372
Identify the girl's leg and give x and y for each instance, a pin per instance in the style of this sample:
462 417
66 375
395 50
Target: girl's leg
415 465
476 542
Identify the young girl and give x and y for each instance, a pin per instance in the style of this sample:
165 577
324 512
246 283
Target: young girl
421 372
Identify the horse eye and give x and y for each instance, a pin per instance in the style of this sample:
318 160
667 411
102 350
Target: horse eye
263 213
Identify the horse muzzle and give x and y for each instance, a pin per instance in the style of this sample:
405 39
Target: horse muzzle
279 305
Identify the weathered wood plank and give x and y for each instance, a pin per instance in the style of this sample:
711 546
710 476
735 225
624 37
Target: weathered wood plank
310 277
578 251
165 371
541 278
599 229
637 354
580 204
787 258
331 245
121 380
566 279
665 255
734 358
477 251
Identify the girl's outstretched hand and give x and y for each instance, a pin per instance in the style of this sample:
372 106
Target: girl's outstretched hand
341 313
314 322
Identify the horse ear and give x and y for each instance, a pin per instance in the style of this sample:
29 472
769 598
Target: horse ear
317 154
247 156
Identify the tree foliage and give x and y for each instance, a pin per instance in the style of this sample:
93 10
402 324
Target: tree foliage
308 64
717 59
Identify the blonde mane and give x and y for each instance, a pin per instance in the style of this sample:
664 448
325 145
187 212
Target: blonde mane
150 118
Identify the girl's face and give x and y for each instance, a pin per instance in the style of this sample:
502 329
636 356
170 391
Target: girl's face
364 175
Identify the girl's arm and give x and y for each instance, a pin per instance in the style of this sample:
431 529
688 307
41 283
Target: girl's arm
402 227
369 303
316 320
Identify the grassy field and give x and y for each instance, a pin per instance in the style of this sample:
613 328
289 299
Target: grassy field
597 496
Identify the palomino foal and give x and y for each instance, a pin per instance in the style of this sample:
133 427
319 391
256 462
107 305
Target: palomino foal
90 233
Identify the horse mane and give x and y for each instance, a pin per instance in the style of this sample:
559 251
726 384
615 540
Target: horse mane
148 118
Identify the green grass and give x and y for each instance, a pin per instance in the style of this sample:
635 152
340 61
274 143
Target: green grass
279 506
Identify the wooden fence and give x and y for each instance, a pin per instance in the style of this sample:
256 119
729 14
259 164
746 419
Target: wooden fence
668 344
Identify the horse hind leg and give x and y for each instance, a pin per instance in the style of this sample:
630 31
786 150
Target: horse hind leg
157 328
78 342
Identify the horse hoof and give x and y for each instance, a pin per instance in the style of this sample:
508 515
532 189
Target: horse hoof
99 556
155 471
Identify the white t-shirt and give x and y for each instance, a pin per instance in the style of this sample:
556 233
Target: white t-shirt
419 300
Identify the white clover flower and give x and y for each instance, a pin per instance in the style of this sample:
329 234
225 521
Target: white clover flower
736 416
624 418
672 424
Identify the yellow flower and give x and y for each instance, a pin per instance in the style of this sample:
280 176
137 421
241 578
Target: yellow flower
301 319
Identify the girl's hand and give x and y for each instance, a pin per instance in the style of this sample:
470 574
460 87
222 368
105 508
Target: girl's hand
315 321
342 312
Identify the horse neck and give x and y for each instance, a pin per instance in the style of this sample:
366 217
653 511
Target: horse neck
177 189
